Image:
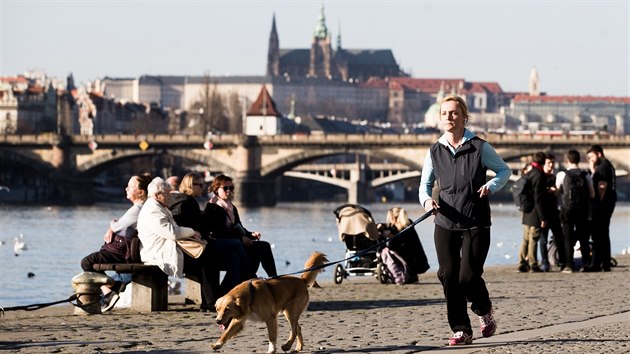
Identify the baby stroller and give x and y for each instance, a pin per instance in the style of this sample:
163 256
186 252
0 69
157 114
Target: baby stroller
358 232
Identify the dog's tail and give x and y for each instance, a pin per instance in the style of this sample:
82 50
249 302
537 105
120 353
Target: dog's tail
315 260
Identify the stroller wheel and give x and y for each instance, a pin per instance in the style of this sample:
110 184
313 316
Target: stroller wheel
381 275
339 274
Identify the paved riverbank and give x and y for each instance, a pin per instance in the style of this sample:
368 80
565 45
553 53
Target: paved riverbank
536 312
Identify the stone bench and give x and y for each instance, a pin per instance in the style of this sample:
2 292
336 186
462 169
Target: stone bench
150 284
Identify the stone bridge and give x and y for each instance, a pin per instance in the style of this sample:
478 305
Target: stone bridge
257 162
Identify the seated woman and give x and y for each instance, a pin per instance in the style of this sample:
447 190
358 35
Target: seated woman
228 254
222 221
407 245
118 239
158 233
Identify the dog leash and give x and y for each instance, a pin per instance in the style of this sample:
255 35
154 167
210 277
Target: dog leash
362 253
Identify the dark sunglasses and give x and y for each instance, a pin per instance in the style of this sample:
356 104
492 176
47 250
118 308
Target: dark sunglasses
228 188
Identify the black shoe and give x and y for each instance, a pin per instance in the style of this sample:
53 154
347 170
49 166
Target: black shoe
524 268
108 301
591 270
535 269
206 308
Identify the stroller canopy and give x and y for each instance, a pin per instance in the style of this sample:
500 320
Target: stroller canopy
354 219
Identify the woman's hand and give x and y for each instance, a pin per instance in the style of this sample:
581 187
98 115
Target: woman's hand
247 241
109 236
431 204
256 235
484 191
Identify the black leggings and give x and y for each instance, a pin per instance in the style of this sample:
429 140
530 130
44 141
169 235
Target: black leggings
101 256
259 253
461 275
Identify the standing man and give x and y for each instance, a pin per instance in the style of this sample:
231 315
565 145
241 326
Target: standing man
459 161
536 219
576 188
550 203
605 184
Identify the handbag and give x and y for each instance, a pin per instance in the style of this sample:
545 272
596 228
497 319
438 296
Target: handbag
192 247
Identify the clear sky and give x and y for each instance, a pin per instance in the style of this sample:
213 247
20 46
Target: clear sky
579 47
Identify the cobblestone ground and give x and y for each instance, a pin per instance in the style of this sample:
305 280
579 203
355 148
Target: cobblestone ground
360 316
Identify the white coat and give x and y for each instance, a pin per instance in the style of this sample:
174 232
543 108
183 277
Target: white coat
157 232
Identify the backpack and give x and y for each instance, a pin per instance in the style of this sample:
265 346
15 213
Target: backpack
523 194
396 267
575 192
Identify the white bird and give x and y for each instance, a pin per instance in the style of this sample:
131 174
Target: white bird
19 245
5 188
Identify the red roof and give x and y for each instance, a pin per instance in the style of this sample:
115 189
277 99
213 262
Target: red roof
13 79
570 99
374 83
36 89
428 85
264 105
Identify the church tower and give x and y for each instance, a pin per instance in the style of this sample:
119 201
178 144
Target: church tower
273 56
321 50
534 83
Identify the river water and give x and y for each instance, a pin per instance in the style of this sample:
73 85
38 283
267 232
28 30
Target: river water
58 237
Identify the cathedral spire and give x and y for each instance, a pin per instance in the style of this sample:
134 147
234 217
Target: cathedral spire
339 36
273 55
321 31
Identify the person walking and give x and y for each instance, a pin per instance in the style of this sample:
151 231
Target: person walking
605 184
576 189
462 216
534 220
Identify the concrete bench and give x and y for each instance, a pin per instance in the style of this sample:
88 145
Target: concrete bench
150 284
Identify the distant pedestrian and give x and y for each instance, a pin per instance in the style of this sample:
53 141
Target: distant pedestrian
462 219
605 184
576 189
550 203
535 220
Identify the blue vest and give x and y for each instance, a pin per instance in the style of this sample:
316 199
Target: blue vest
458 178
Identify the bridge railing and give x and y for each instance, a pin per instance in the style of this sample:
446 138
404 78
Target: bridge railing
333 139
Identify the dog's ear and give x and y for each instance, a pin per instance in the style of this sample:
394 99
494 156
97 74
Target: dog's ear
238 308
218 303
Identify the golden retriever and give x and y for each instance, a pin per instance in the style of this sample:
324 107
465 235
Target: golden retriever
263 299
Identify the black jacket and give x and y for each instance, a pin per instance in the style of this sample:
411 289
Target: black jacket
539 188
186 212
215 221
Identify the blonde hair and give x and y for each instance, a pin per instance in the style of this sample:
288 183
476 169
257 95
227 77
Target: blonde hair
398 218
460 102
186 186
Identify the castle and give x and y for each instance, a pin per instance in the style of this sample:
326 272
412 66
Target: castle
324 62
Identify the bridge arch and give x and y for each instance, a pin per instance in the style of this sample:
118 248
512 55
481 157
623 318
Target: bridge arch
112 157
298 158
26 158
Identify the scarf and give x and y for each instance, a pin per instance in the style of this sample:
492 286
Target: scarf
228 207
536 165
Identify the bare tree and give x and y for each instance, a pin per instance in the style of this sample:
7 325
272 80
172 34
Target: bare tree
211 107
235 113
